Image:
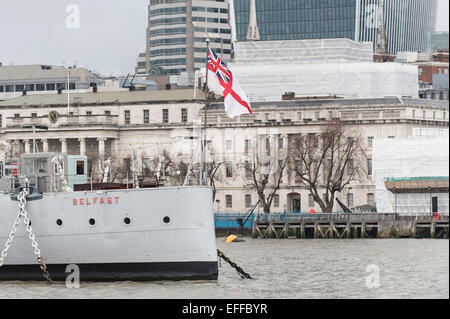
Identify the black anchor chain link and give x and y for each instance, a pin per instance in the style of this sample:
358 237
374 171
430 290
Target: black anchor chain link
240 271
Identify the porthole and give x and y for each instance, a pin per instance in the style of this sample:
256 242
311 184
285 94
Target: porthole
92 221
59 222
127 221
166 219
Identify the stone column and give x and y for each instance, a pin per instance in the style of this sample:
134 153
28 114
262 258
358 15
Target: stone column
15 147
101 147
82 141
27 146
63 145
44 145
115 148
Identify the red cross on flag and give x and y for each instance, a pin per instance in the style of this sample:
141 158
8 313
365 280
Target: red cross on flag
221 81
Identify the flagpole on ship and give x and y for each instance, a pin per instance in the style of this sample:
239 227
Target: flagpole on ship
203 164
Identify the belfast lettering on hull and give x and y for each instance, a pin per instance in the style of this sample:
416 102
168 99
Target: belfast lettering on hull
96 201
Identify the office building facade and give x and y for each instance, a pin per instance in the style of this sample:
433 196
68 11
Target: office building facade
176 35
407 22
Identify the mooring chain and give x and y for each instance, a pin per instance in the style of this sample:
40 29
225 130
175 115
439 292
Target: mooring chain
232 264
23 214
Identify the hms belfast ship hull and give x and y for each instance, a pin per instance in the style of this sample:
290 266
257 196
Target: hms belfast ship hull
138 234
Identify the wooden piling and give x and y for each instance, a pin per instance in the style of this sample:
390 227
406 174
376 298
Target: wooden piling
302 229
433 229
348 229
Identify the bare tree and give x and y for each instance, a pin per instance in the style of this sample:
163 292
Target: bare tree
264 172
328 162
214 173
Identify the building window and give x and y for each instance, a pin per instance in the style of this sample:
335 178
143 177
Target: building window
229 169
50 87
20 87
276 201
1 120
280 142
146 166
107 112
88 112
350 167
127 117
41 87
229 145
370 141
29 87
165 113
371 199
127 167
299 116
146 116
184 116
33 115
248 201
369 166
80 167
414 114
248 169
350 200
247 146
229 201
311 200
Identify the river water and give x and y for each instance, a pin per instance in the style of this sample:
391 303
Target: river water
290 268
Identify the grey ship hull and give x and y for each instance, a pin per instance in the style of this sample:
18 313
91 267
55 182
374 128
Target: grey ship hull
131 239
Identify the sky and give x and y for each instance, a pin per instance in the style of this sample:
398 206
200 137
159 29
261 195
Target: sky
100 35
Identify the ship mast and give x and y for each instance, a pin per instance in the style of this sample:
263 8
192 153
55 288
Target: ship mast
203 134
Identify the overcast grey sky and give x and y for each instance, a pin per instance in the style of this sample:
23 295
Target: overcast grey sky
109 37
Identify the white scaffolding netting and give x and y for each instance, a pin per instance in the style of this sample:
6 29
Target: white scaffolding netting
303 51
268 69
424 157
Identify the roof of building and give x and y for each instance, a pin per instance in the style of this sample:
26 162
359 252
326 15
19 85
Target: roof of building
27 73
420 184
113 97
346 102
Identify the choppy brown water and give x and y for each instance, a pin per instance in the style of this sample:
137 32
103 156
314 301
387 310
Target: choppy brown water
289 268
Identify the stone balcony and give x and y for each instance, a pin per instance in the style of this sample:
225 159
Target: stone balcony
62 121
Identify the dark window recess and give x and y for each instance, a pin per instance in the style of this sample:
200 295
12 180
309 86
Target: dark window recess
434 204
80 167
59 222
166 219
92 221
127 220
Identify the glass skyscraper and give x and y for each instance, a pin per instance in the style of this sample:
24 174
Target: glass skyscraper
176 34
407 22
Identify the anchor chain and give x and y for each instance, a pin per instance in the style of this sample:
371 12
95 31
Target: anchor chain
23 214
232 264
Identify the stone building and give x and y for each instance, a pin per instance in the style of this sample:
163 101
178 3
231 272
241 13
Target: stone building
144 125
